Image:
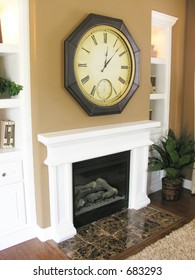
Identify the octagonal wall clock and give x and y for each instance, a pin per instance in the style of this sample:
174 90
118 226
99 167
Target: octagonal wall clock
101 65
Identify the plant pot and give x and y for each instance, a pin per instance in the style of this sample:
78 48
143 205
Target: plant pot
171 189
4 95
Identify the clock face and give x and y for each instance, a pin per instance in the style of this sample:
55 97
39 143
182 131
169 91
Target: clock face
101 63
104 65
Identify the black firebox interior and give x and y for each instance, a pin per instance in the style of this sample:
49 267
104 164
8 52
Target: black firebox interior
101 187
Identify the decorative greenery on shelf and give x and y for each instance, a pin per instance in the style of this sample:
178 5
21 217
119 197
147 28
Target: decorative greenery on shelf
9 88
173 155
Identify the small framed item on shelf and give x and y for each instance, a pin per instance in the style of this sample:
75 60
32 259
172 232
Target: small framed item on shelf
153 84
150 114
7 134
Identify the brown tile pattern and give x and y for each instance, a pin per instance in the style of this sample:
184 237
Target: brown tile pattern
111 235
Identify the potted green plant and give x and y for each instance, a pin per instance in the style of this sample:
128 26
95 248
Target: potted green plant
9 88
172 155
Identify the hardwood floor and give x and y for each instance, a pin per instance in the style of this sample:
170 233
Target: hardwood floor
37 250
33 250
184 207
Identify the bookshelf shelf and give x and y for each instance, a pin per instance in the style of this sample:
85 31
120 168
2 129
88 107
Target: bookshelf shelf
9 154
156 60
8 49
9 103
157 96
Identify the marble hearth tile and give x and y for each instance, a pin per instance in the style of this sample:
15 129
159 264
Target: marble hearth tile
128 214
129 236
72 244
91 233
162 217
128 217
89 252
148 211
147 227
110 246
110 224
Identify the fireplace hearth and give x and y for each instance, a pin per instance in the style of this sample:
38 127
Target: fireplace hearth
65 148
101 187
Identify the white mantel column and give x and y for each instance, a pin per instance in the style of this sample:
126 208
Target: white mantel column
138 178
61 201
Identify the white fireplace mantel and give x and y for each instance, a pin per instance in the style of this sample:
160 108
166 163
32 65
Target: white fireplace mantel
66 147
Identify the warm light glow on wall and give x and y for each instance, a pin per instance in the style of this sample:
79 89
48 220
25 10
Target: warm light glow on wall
9 21
159 42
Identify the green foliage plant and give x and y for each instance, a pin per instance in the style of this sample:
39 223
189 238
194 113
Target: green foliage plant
172 155
9 88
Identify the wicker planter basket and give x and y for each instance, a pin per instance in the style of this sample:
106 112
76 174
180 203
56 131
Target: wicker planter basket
171 189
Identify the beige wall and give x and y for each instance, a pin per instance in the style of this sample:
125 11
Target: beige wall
189 68
53 108
188 93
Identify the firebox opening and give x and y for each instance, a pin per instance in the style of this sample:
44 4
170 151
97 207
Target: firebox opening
101 187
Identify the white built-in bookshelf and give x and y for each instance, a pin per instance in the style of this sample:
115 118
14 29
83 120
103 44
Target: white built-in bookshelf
161 41
17 201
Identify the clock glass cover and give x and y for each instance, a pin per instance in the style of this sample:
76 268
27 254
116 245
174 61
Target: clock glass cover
104 65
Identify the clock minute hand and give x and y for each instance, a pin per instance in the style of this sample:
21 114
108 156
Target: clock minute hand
111 57
106 62
106 56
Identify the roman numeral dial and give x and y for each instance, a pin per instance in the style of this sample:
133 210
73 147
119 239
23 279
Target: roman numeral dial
85 79
104 65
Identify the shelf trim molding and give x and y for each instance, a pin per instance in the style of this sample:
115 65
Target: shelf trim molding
7 49
9 103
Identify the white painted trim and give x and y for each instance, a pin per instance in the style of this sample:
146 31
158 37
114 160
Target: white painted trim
43 234
25 98
163 19
154 188
67 147
97 131
12 238
187 184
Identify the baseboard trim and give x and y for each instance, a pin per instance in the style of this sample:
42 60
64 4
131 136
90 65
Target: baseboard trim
43 234
154 188
187 184
15 237
18 236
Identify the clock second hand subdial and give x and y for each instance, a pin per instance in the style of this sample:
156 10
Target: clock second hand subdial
106 62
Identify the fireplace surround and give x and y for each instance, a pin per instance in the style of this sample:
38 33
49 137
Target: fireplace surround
64 148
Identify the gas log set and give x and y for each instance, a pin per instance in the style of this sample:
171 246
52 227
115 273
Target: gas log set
93 192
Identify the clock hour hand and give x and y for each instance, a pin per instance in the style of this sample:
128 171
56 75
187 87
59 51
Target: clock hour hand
106 62
106 57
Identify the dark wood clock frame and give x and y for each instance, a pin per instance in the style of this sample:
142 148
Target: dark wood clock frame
70 83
